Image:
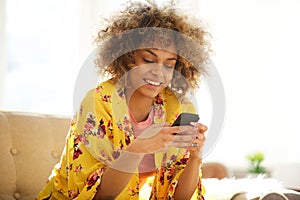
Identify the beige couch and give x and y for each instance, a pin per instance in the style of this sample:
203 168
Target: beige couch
31 144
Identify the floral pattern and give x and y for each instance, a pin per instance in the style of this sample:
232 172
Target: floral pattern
96 139
91 181
72 194
89 127
77 148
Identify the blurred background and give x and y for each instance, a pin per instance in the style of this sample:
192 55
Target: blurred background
43 45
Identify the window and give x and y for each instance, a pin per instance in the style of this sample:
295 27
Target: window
42 52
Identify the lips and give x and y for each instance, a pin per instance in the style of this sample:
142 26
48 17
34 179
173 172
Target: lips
152 82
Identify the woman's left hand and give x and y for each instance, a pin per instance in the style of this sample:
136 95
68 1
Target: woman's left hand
198 142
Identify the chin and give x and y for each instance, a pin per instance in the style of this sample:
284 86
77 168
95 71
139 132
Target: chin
150 93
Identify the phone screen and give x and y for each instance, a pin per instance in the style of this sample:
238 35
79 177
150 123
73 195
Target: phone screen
186 119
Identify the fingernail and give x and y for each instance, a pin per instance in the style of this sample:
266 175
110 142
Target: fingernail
193 123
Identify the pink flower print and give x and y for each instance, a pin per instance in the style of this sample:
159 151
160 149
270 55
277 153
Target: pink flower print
88 127
158 112
73 122
111 137
116 154
99 88
77 152
91 181
127 129
121 145
91 119
102 153
159 100
186 153
173 158
68 168
77 139
183 160
106 98
78 168
83 140
127 139
171 187
104 157
171 172
110 130
126 120
101 129
109 125
131 190
161 176
72 194
121 93
120 127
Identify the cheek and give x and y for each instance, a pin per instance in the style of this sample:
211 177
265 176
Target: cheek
169 75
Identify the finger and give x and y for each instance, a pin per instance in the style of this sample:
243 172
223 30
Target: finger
181 130
183 138
180 144
200 136
202 128
185 130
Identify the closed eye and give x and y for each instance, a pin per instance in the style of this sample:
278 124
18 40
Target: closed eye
152 61
148 61
168 66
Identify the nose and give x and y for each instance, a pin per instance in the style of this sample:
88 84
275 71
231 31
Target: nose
157 70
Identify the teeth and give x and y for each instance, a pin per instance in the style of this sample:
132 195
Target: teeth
152 82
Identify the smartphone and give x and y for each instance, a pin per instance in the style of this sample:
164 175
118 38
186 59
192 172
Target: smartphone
186 119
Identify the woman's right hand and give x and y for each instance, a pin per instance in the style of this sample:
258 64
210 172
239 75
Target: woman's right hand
160 136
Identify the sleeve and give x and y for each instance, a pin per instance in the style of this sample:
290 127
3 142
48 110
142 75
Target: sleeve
174 160
87 153
166 180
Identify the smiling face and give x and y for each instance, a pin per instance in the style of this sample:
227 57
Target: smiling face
153 72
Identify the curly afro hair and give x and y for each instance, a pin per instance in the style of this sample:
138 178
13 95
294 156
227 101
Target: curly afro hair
137 25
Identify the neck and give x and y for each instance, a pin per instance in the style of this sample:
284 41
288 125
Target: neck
139 106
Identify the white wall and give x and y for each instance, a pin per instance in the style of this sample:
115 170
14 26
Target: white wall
2 47
256 47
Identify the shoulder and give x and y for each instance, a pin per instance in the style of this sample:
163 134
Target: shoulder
98 98
105 88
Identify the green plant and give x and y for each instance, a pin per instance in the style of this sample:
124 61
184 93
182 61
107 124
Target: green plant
256 160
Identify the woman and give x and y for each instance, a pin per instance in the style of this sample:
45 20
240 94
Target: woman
121 141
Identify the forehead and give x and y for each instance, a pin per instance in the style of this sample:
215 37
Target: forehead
158 52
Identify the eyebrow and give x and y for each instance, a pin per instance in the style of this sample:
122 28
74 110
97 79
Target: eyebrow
154 54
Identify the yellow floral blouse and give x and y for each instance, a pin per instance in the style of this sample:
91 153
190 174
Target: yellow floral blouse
99 132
